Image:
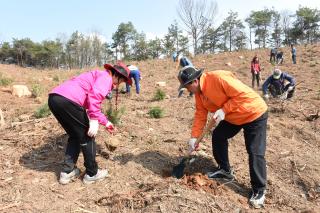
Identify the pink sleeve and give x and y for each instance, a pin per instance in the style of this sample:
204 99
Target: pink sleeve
96 95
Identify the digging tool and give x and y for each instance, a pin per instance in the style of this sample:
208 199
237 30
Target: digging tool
177 170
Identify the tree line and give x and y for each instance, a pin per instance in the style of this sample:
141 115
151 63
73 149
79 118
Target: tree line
267 28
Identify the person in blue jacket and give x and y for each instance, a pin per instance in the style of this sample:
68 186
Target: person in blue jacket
136 75
279 84
182 61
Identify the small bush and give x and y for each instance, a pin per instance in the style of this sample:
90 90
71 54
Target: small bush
36 90
5 81
156 112
56 78
42 111
159 95
114 116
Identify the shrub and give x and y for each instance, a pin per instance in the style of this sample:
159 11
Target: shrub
159 95
114 116
42 111
36 90
156 112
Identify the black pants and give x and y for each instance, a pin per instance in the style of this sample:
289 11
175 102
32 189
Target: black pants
272 57
257 78
255 140
73 118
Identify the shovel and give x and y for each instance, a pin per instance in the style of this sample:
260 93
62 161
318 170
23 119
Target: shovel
178 170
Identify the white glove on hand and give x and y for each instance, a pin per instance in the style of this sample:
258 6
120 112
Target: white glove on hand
290 88
192 145
219 116
93 128
266 97
284 96
109 127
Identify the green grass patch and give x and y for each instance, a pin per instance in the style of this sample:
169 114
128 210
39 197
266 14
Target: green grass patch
36 90
5 81
42 111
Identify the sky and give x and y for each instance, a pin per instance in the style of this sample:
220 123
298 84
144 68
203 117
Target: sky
47 20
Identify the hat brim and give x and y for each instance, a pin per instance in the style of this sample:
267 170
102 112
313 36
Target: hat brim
192 78
110 67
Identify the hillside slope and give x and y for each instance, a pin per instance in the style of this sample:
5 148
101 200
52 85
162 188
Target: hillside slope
31 150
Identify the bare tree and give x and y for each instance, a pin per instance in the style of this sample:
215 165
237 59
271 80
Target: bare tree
197 16
286 24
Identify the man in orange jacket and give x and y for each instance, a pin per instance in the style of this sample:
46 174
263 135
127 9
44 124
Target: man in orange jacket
235 106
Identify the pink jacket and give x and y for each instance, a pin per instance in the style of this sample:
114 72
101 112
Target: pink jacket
88 90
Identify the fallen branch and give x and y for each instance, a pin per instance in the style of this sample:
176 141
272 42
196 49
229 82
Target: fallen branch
10 205
13 124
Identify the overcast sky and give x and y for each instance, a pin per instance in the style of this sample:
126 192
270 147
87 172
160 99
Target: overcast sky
40 19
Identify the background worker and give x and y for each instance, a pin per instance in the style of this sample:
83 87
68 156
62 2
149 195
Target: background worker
293 54
181 61
136 75
235 106
255 71
276 84
279 57
76 104
273 53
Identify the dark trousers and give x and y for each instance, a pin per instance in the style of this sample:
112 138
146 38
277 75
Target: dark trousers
257 78
255 140
74 120
294 59
272 57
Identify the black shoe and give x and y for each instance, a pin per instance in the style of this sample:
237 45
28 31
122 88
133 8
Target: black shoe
221 173
257 199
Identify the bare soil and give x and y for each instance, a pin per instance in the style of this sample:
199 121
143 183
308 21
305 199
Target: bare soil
31 150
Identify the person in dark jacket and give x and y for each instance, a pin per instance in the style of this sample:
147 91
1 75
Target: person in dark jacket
277 85
181 61
279 57
255 70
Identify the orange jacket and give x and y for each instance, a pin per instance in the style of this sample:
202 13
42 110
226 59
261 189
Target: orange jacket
221 89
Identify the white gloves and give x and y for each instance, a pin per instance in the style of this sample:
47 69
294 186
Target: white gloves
192 145
266 97
109 127
290 88
93 128
219 116
284 96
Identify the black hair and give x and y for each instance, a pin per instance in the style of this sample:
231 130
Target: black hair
118 75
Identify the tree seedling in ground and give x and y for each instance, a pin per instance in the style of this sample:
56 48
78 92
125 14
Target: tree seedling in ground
159 95
156 112
114 116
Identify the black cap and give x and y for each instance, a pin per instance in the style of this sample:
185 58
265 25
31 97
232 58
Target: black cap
188 74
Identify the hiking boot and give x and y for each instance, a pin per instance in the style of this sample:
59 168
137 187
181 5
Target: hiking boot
101 174
257 199
221 173
65 178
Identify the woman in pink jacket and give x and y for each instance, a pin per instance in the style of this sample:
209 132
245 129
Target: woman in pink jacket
255 70
76 104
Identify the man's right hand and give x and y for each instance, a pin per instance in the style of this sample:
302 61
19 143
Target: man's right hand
193 146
